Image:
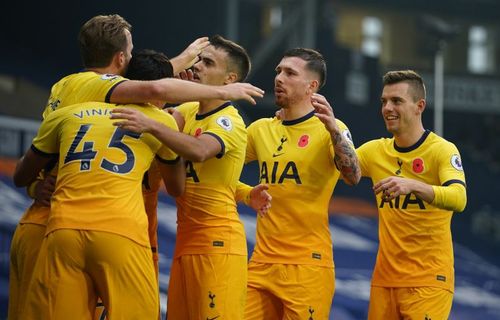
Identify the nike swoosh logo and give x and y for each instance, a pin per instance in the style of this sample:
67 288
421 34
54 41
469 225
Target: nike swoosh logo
277 154
212 318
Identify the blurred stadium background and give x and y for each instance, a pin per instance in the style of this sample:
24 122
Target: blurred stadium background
361 40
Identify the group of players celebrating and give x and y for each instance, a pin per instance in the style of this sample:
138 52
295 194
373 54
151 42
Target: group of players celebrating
87 247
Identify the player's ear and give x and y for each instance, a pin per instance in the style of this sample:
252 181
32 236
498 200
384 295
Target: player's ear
314 85
421 105
121 58
231 77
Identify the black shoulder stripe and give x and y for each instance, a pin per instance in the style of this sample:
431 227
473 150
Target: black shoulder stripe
108 95
174 161
447 183
222 145
44 154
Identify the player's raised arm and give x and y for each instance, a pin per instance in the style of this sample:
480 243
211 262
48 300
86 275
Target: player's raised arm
177 91
345 155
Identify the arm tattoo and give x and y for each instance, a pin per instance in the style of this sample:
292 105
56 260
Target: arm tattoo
346 159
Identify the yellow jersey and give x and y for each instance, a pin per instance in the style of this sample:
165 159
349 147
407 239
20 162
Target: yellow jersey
100 169
81 87
296 160
415 239
72 89
207 218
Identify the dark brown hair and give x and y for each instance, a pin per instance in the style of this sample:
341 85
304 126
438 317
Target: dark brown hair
238 56
101 38
414 80
315 62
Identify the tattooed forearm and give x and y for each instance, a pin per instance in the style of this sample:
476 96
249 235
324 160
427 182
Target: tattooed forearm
346 159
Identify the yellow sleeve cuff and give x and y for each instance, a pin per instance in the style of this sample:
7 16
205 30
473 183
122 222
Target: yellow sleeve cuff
243 192
452 197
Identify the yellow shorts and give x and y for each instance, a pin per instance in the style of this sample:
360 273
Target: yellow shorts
409 303
211 286
24 249
74 267
287 291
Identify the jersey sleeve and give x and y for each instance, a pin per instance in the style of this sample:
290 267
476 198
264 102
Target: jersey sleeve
251 154
363 153
46 142
450 165
228 130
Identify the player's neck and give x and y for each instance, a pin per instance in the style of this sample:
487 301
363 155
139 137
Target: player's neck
296 111
408 138
105 70
209 105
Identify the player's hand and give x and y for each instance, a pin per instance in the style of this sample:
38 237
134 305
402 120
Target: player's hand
393 187
242 91
179 118
132 120
279 114
186 75
190 55
44 190
260 199
324 112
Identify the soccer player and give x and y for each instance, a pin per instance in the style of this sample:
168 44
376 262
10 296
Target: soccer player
209 271
151 65
96 242
301 156
419 182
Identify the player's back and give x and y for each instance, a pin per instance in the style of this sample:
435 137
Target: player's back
100 169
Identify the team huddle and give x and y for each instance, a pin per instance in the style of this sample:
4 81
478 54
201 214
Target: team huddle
87 247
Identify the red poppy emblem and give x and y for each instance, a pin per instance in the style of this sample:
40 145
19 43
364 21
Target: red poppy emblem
418 165
304 141
197 132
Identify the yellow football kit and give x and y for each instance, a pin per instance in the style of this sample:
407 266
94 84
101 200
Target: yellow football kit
72 89
97 208
208 223
296 160
415 239
151 183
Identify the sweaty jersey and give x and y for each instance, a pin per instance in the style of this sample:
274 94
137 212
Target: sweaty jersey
415 238
207 219
72 89
100 169
296 160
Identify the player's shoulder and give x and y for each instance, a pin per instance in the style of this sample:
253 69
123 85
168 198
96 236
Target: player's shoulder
439 143
377 144
231 111
341 124
437 139
264 122
187 107
228 119
157 114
